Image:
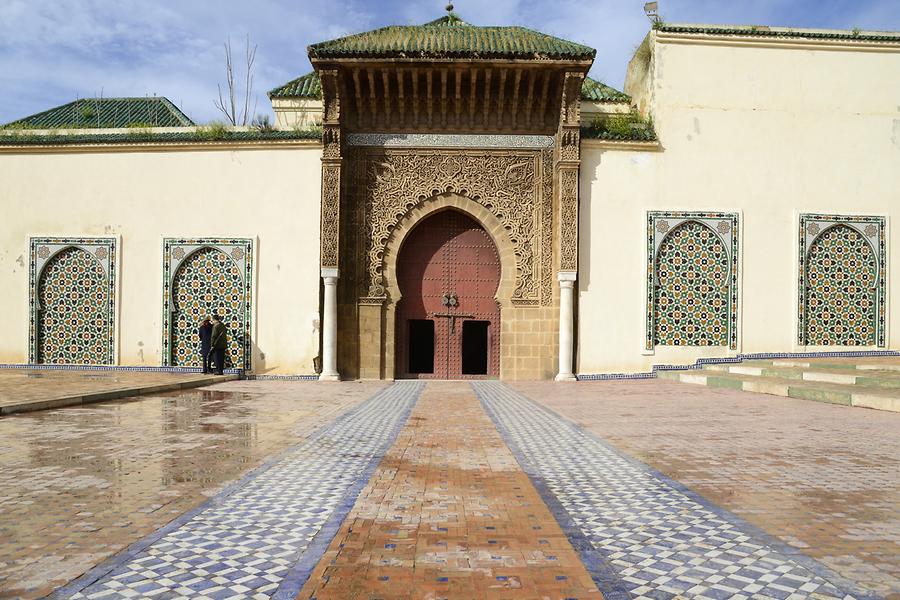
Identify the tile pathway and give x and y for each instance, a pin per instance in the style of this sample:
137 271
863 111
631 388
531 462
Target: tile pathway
246 541
661 540
449 514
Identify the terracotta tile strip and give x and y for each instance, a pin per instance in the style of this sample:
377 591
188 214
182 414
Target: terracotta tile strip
449 514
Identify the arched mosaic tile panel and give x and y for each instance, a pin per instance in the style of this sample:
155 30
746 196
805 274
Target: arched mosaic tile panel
205 276
74 308
841 289
691 296
690 325
73 279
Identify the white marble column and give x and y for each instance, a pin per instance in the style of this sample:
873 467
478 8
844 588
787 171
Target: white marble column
329 327
566 324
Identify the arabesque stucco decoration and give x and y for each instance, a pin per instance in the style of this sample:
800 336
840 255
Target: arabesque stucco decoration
512 184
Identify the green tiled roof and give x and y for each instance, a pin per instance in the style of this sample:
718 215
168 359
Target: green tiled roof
593 90
103 113
781 32
139 136
451 37
309 86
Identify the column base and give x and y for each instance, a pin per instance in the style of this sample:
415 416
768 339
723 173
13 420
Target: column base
566 377
329 377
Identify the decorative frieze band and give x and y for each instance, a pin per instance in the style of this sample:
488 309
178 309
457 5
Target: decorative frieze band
439 140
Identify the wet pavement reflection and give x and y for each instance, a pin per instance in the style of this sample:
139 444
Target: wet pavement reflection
79 484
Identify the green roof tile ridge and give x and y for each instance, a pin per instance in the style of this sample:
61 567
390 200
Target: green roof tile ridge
781 32
138 136
450 36
112 112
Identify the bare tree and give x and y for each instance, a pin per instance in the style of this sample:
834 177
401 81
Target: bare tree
228 103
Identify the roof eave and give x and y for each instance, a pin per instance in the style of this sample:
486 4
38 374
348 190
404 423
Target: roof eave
319 62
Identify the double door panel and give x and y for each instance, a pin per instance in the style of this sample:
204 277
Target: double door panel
448 318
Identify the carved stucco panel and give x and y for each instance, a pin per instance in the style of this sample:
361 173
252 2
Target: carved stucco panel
513 185
568 219
331 196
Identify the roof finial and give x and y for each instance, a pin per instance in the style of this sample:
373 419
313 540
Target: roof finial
449 7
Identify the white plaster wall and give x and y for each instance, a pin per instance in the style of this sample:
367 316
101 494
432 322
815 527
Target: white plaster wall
269 195
767 132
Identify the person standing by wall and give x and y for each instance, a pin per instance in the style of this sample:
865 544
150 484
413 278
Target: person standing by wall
205 334
219 342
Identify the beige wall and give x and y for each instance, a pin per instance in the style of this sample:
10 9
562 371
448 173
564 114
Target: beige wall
269 195
769 132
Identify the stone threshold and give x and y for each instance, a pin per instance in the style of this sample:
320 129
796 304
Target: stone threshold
113 394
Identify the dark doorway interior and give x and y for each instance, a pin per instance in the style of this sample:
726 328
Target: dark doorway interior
475 347
421 346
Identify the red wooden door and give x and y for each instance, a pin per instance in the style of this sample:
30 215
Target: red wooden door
448 322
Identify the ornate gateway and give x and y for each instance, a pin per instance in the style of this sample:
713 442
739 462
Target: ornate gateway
492 129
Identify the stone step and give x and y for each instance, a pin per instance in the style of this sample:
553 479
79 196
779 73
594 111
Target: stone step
852 364
823 372
881 398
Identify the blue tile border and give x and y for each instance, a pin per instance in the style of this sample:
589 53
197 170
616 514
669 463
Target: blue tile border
298 574
589 560
601 571
317 547
701 362
251 377
180 370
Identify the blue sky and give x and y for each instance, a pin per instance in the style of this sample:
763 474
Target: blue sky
52 51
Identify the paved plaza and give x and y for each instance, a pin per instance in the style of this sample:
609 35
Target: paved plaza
283 489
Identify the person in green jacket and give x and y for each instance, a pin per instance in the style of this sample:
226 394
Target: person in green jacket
219 343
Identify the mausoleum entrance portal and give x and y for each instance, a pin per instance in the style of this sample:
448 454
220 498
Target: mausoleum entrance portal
448 319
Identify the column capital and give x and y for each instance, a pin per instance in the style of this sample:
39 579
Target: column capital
329 272
567 276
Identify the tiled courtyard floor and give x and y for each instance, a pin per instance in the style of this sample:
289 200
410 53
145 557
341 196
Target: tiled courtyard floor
450 489
79 484
823 478
450 514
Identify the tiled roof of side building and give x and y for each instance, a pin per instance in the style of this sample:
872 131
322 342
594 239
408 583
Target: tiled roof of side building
596 91
105 113
451 37
308 86
783 32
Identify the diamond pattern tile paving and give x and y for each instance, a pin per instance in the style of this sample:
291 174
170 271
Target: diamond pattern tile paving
245 542
450 514
823 478
79 484
661 540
